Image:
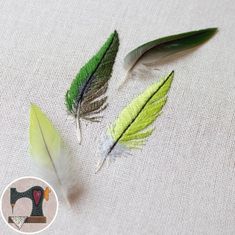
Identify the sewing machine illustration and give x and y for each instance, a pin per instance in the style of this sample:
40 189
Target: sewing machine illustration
37 195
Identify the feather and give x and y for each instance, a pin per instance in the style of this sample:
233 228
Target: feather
132 127
86 97
152 53
50 154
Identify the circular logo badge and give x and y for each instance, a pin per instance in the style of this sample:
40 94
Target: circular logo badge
29 205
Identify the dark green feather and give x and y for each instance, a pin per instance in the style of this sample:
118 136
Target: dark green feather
82 99
165 46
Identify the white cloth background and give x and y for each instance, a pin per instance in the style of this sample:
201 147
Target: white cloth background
183 181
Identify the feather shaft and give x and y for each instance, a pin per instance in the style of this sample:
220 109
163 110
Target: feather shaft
48 152
78 129
100 164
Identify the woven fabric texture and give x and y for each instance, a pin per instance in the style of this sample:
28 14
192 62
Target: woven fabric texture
183 181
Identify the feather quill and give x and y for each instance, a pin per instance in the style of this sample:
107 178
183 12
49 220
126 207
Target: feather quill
131 129
86 97
50 154
152 53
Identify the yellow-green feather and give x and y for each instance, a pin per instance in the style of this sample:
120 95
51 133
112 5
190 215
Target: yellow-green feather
45 141
131 127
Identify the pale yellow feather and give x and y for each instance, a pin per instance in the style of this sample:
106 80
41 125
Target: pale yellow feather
45 141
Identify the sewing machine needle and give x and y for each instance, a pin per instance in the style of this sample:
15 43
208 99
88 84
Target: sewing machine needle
12 206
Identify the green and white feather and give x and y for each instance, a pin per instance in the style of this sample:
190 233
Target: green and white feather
86 97
146 57
133 126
